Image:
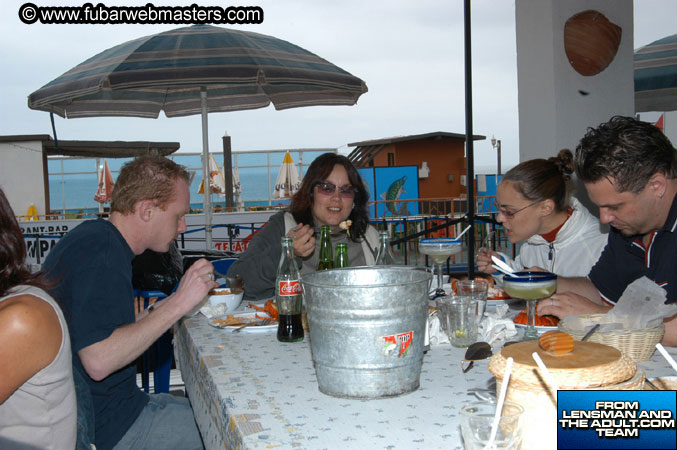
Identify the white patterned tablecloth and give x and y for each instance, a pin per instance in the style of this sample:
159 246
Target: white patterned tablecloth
250 391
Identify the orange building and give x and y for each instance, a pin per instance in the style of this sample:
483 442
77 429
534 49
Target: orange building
440 157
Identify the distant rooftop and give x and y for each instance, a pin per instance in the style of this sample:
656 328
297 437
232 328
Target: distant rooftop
365 151
96 149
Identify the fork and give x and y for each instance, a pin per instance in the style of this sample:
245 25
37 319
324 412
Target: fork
263 322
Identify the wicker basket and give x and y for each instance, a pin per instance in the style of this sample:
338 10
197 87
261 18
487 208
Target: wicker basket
528 389
638 344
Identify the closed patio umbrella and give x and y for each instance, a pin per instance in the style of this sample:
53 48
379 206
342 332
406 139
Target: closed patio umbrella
217 183
288 181
104 191
196 70
656 76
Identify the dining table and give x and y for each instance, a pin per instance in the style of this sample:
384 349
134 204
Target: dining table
250 391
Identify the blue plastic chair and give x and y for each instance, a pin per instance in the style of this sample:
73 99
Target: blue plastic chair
222 265
163 351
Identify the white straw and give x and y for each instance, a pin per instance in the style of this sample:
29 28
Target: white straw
667 356
546 373
499 405
463 232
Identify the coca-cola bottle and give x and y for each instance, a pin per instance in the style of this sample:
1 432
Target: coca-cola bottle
289 295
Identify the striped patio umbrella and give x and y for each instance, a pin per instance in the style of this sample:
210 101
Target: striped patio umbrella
197 70
656 76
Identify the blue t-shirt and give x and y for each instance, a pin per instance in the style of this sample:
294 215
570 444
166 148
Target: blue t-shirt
625 259
93 267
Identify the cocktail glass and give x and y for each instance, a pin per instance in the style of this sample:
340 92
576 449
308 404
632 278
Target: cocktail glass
439 249
530 286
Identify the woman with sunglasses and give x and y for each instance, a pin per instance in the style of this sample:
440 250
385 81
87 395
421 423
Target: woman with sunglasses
331 193
559 235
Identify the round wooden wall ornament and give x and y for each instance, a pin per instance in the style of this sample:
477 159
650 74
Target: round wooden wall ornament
591 42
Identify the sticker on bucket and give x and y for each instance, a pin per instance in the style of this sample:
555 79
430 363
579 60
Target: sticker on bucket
400 341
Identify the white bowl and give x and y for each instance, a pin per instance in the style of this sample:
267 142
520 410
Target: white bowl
231 299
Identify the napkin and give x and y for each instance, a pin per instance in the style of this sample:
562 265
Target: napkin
642 305
210 311
495 325
437 336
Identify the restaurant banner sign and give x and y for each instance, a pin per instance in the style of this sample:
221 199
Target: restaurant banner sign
231 232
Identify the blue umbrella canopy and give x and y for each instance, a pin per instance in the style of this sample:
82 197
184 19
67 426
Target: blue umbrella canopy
656 76
197 70
166 71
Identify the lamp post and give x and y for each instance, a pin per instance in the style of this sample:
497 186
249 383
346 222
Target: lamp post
497 145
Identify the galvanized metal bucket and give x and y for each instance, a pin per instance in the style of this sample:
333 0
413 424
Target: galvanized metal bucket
367 327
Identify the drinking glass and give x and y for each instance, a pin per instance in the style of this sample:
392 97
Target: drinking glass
530 286
477 419
475 290
439 249
458 318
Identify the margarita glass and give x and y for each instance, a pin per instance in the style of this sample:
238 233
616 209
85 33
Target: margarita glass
530 286
439 249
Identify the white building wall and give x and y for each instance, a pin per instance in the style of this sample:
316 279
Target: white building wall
553 113
22 175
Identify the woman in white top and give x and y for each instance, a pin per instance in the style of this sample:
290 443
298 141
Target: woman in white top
37 394
559 235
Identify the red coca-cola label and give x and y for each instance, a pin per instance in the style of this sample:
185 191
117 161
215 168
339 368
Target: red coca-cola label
290 287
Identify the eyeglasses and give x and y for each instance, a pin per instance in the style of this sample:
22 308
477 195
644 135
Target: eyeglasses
511 214
327 188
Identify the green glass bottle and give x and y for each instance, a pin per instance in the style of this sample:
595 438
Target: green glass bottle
326 253
341 256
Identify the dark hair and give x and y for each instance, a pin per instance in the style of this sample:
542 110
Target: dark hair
13 271
626 149
147 178
302 202
544 179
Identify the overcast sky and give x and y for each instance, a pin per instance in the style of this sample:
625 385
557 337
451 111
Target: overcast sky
409 52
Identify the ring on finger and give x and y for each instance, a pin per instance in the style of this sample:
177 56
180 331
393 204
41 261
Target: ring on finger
211 276
551 302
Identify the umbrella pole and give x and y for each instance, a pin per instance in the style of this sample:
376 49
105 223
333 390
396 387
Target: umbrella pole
207 191
470 178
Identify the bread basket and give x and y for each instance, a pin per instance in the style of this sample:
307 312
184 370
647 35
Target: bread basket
590 366
637 344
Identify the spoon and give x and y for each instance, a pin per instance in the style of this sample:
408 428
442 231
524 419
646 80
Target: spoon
504 268
589 333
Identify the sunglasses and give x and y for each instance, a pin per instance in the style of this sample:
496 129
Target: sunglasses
327 188
478 352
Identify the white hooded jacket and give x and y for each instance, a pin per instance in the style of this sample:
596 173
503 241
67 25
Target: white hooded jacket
577 247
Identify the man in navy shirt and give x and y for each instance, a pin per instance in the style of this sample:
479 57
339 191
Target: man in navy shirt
629 169
92 267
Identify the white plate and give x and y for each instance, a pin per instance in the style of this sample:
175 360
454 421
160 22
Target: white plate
256 325
541 329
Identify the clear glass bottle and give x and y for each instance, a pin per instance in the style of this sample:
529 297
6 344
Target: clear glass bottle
384 257
341 256
326 250
289 295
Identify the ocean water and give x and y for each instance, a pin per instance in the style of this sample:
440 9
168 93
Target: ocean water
73 182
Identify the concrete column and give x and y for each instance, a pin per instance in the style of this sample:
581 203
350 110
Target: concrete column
556 103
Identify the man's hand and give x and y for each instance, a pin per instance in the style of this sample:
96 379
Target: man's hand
194 286
569 304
